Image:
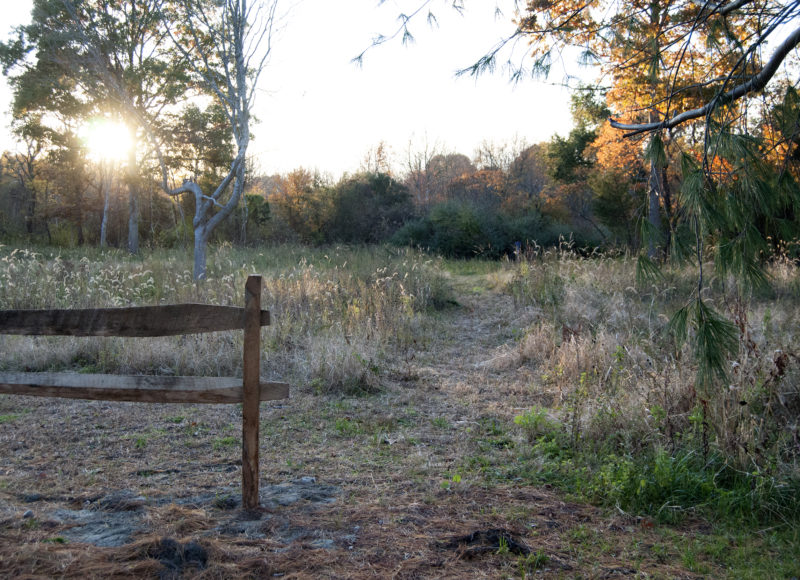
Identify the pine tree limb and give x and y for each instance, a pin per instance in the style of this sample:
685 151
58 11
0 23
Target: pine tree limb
756 83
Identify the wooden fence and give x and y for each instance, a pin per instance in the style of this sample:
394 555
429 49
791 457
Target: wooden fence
151 321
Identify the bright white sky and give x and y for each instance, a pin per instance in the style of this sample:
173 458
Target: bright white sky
319 111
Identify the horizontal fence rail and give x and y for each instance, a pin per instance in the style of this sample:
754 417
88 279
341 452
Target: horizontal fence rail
152 321
137 321
136 388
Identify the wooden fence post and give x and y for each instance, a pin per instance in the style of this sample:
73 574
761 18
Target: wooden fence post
251 372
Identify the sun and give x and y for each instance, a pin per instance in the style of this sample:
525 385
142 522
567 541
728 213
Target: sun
107 140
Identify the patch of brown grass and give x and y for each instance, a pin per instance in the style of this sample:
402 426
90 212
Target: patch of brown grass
454 536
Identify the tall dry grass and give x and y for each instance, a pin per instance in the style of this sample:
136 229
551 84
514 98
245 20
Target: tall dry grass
338 314
621 383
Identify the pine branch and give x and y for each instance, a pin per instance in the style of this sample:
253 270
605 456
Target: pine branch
756 83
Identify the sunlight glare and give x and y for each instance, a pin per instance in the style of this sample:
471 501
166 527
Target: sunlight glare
107 140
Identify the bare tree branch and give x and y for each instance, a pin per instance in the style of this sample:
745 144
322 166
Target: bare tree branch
404 20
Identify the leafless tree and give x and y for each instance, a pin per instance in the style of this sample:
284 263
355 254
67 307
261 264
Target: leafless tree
226 44
418 178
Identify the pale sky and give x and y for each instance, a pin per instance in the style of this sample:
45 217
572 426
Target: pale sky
320 111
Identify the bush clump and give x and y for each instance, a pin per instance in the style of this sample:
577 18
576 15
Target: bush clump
461 229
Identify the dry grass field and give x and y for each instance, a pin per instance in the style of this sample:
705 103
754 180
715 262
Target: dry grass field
439 425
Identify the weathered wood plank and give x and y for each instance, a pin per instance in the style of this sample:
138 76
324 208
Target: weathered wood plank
138 388
138 321
251 367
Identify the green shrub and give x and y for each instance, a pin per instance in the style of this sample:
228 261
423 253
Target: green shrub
665 486
460 229
367 208
536 423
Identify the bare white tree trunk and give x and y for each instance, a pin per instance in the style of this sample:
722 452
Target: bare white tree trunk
240 40
200 250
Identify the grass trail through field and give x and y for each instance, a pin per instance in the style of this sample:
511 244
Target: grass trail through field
473 356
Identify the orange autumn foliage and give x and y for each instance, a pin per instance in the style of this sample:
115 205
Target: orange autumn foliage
614 152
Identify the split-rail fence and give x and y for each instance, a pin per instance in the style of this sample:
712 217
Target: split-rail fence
152 321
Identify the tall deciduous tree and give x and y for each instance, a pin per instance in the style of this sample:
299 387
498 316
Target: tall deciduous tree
25 167
429 173
528 176
638 45
114 57
571 160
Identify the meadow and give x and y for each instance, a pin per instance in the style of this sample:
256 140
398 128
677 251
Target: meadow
443 400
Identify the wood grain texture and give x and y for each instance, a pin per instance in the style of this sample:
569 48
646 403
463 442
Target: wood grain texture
141 388
138 321
251 367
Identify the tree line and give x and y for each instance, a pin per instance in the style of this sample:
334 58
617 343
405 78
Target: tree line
590 185
693 137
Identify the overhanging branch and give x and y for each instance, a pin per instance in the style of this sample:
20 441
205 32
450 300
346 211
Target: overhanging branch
756 83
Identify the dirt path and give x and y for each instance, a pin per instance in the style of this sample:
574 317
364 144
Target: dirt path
474 359
409 483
